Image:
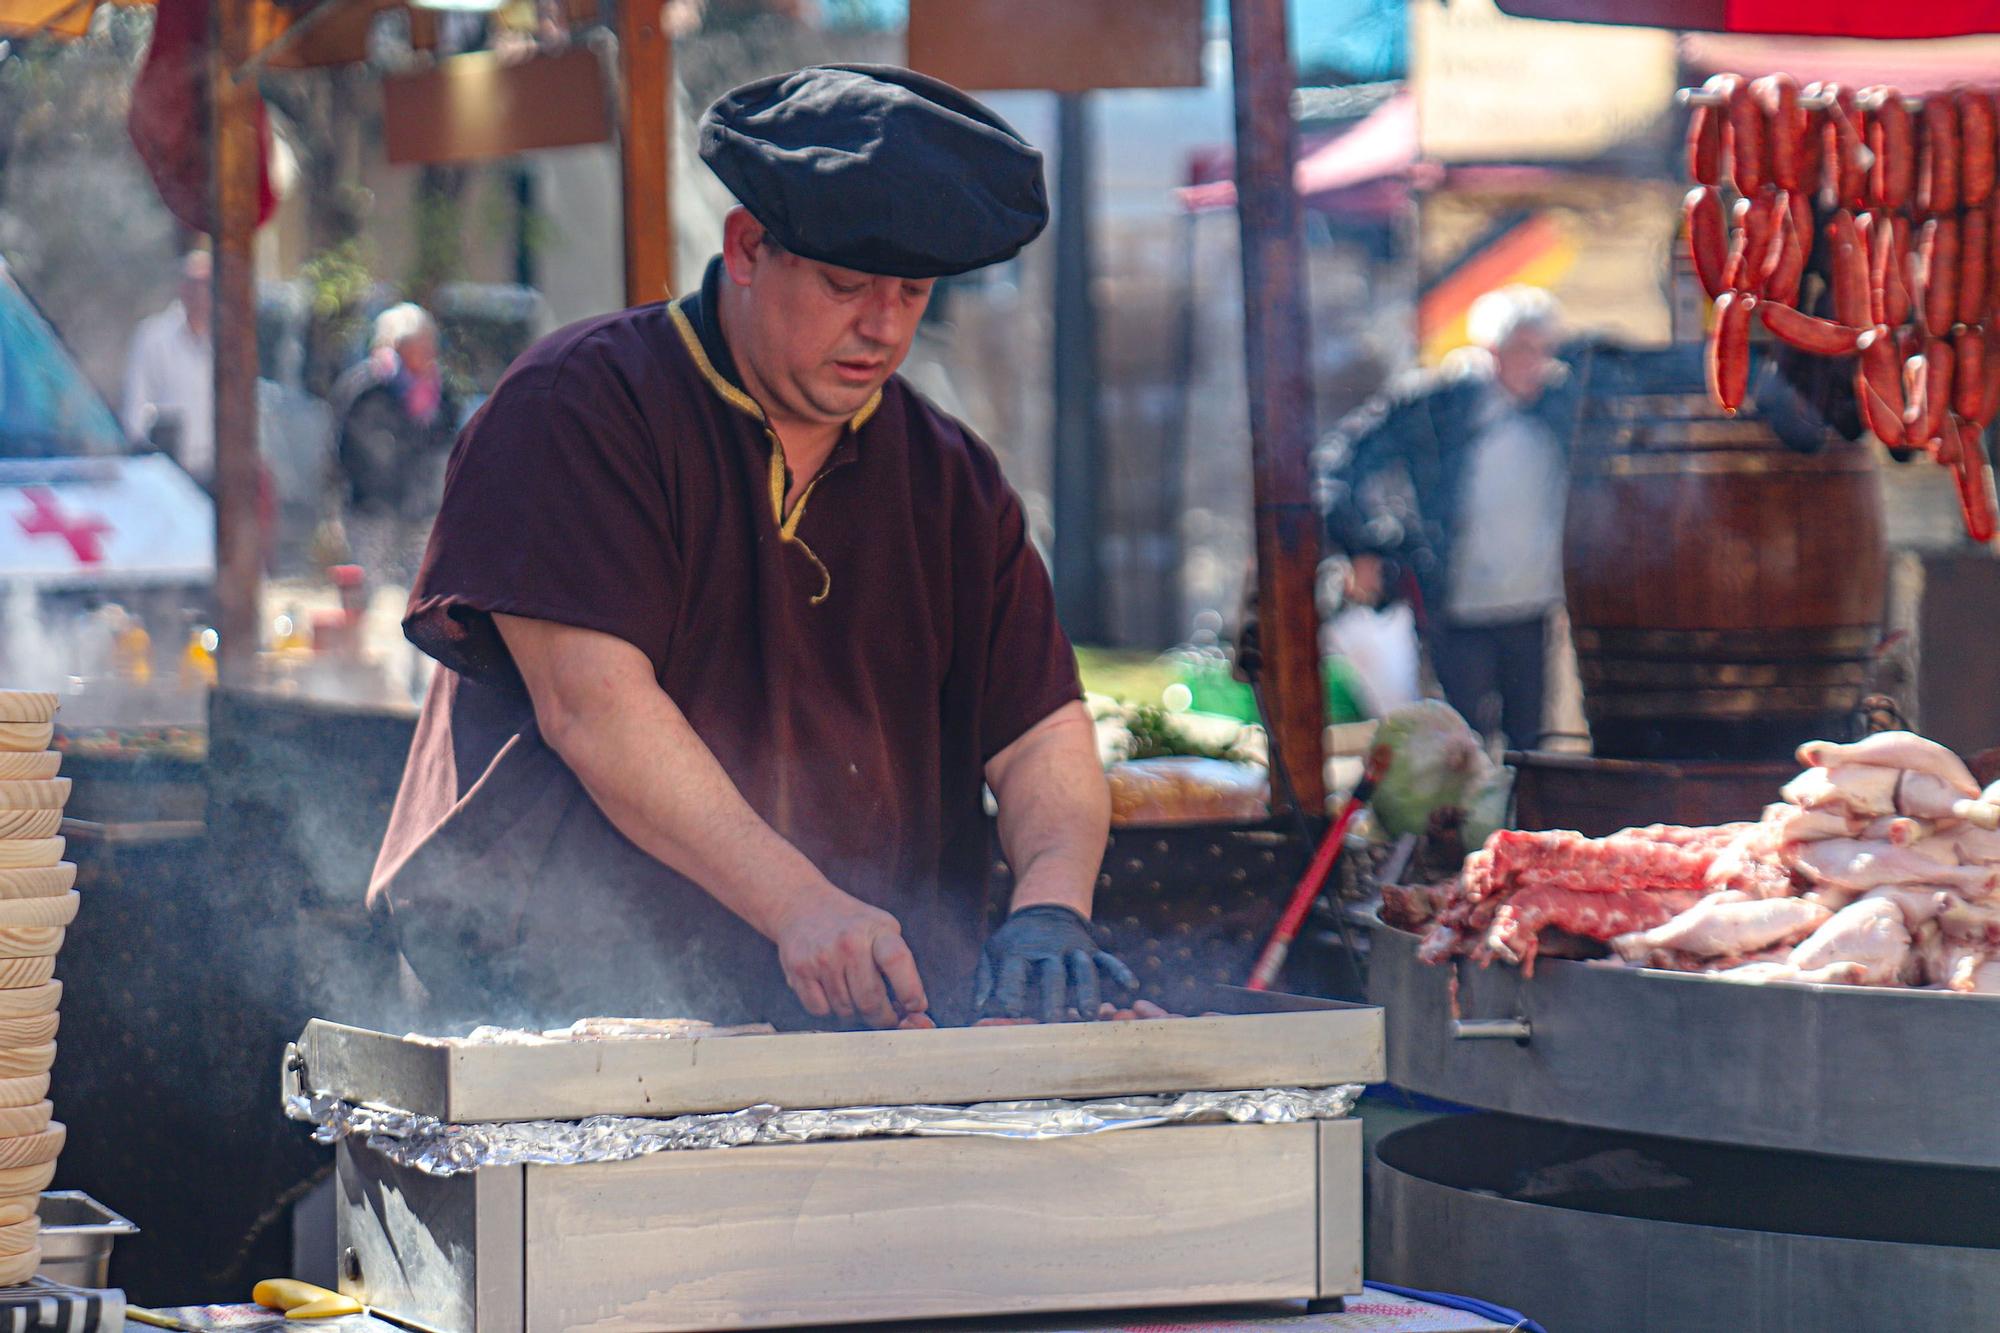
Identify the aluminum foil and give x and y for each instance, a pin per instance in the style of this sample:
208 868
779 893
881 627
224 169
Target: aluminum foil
427 1144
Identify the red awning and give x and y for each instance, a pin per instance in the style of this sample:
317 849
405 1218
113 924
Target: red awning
1381 147
1784 18
1914 68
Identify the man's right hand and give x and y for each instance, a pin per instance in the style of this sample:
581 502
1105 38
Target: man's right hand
844 957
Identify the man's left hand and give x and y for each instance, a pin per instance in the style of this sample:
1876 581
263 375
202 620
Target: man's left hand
1044 956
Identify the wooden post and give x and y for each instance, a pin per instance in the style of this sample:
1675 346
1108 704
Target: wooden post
1275 334
235 148
645 67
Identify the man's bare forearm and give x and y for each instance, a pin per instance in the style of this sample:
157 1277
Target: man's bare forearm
1055 810
655 779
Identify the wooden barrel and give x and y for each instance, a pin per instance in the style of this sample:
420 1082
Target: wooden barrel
1725 591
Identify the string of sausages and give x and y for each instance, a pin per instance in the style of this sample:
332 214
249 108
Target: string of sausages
1862 225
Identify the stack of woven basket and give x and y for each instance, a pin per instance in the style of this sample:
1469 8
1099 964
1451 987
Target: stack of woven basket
37 901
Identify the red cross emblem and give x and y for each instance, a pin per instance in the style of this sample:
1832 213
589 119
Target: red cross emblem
47 519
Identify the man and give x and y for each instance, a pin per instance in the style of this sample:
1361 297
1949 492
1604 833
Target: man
1484 446
734 625
397 419
170 374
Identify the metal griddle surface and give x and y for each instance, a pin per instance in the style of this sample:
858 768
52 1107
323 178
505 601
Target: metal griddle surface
1255 1041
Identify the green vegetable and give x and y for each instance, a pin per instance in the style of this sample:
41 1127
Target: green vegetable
1430 760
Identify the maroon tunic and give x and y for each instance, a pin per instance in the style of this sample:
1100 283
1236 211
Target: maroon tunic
852 667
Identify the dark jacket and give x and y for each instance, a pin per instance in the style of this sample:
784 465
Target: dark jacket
391 464
1425 423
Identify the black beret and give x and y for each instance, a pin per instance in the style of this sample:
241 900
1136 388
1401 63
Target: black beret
877 169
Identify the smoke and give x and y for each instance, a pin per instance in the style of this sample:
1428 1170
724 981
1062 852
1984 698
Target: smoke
30 655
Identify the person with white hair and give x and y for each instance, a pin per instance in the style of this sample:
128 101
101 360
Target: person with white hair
1473 536
398 417
170 375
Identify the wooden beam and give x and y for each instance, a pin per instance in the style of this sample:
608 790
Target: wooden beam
645 67
1275 334
235 147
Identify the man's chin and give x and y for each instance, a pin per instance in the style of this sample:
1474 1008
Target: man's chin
840 402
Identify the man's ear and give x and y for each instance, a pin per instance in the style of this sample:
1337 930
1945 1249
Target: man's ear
742 245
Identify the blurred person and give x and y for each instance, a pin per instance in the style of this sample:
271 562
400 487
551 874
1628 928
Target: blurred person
1475 537
734 626
170 375
398 415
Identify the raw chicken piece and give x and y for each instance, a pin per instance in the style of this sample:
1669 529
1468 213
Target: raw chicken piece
1517 926
1851 863
1978 922
1870 934
1920 903
1899 829
1939 847
1894 749
1944 961
1985 978
1726 924
1857 789
1792 823
1930 797
1749 866
1834 974
1975 845
1673 960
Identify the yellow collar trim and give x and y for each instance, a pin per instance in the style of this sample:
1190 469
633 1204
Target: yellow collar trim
860 419
734 396
788 524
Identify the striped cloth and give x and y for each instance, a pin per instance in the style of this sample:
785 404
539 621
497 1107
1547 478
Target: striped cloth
42 1306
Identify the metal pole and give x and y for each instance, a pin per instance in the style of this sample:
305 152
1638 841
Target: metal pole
1078 574
1275 335
235 149
1176 443
645 64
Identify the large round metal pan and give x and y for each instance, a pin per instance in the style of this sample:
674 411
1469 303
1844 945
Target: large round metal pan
1586 1231
1896 1075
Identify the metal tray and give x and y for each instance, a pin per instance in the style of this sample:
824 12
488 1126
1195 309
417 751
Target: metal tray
1852 1071
1259 1040
1720 1238
76 1238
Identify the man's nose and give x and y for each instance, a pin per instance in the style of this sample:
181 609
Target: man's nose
885 316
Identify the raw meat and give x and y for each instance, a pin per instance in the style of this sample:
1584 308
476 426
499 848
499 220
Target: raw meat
1792 823
1673 960
1894 749
1877 869
1624 861
1985 978
1517 926
1854 789
1869 934
1975 921
1977 846
1928 797
1920 906
1901 830
1746 866
1853 864
1834 974
1727 924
